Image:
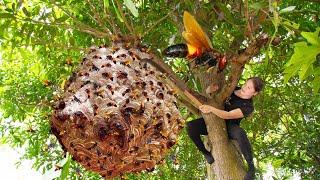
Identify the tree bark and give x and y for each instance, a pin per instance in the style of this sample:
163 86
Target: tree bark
227 165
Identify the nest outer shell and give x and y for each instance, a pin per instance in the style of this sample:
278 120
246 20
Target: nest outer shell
116 115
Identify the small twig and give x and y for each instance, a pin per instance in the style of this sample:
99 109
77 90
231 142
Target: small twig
248 19
83 27
106 17
157 22
235 25
124 18
98 19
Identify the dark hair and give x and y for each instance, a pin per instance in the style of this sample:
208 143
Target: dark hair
257 83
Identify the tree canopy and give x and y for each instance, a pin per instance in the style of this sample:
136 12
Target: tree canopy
42 42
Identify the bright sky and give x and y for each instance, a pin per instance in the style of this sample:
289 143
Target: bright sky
8 170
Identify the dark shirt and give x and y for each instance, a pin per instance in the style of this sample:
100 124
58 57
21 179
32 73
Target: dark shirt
234 102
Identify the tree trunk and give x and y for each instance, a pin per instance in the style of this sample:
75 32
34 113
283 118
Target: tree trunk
227 165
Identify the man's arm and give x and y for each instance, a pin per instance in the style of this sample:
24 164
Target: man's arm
234 114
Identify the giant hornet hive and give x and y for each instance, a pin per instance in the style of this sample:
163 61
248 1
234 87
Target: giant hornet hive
116 115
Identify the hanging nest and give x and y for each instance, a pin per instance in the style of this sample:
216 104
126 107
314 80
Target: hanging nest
116 115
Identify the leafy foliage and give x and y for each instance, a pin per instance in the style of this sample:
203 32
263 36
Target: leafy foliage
304 57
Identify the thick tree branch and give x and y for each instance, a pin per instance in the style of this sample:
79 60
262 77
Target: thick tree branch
182 98
189 106
237 65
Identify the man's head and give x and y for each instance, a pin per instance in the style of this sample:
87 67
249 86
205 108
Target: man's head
252 86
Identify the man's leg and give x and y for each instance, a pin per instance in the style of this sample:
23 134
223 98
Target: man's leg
196 128
237 133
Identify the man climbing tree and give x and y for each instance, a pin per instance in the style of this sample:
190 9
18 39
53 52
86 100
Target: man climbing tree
203 57
238 106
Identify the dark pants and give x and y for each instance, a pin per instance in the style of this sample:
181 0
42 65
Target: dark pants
198 127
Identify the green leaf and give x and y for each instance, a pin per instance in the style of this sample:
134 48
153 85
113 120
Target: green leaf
25 11
290 24
312 37
106 4
276 19
277 163
303 57
297 57
316 84
19 4
117 12
270 53
36 68
305 71
62 19
131 6
287 9
227 14
36 10
289 72
65 168
6 15
304 54
72 41
317 71
257 5
13 6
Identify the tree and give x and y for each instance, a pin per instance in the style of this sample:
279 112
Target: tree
42 43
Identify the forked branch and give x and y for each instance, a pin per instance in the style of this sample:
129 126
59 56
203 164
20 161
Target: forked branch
238 62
